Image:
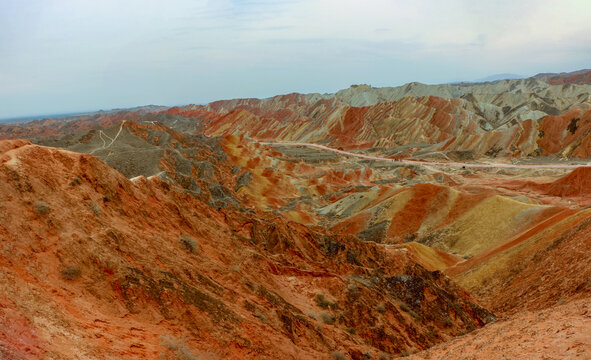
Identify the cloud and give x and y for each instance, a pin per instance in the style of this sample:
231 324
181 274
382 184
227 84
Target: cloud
67 55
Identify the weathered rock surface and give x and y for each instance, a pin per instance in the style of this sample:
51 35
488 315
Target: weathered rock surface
97 266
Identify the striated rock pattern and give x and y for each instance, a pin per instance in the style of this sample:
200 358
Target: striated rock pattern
97 266
176 233
517 118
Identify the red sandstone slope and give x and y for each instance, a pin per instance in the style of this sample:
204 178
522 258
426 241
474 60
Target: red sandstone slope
541 286
567 135
575 184
572 188
293 119
97 266
60 126
561 332
428 123
577 77
431 123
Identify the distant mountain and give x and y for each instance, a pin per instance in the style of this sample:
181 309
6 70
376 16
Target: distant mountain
496 77
144 109
580 77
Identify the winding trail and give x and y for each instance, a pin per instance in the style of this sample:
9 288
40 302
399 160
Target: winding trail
425 163
101 134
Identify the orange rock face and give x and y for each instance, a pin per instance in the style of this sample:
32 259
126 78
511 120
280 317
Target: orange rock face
95 265
583 77
425 121
183 234
557 333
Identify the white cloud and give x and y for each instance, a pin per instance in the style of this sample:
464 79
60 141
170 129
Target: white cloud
63 55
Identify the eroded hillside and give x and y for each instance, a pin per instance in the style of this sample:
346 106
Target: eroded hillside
215 231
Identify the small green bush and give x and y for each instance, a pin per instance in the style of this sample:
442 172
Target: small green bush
41 207
70 272
96 209
404 307
327 318
381 307
259 315
189 243
324 303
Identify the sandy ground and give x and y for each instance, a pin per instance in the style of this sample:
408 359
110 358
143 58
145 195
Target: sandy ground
560 332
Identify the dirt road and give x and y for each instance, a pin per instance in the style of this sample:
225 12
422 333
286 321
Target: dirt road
429 163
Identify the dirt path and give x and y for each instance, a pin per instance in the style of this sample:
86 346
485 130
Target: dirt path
430 163
101 134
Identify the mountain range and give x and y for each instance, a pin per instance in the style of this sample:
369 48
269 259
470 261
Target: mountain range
431 221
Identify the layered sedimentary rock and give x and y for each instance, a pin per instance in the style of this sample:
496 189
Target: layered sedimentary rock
95 265
181 234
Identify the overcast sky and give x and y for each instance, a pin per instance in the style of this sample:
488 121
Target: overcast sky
60 56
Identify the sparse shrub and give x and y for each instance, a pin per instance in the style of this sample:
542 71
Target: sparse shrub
353 291
560 301
327 318
352 257
384 356
76 181
351 330
432 334
324 303
249 306
404 354
178 348
381 307
41 207
260 316
337 355
189 243
70 272
404 307
96 209
410 237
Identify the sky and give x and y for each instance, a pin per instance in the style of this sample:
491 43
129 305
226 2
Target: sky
62 56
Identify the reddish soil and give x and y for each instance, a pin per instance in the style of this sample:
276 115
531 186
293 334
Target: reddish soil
561 332
580 78
568 133
97 266
575 184
410 218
